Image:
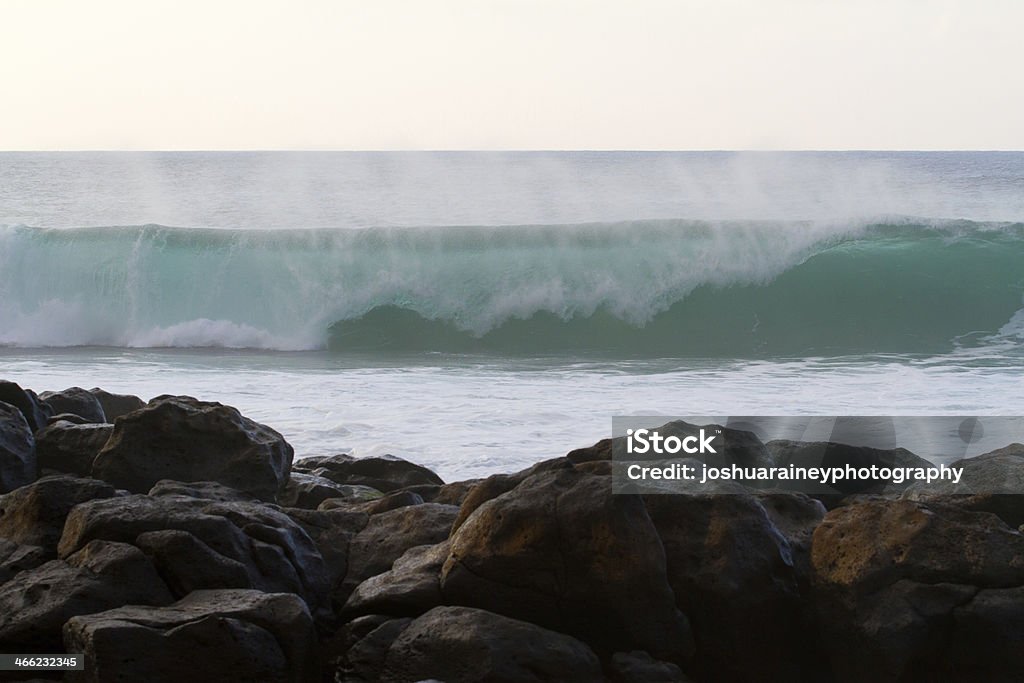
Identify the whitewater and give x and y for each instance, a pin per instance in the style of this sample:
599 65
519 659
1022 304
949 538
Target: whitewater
479 311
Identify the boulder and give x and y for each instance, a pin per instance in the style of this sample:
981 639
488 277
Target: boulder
36 603
214 635
357 652
890 578
409 588
307 491
32 409
75 400
16 558
464 645
544 550
391 501
188 564
992 482
988 637
116 405
388 535
736 577
64 446
332 531
639 667
384 472
207 490
35 514
277 554
830 454
180 438
17 449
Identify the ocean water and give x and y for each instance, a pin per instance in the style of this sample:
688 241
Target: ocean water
477 312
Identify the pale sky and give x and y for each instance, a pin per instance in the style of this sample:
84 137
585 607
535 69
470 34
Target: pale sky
511 74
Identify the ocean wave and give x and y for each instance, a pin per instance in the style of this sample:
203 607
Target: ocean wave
642 288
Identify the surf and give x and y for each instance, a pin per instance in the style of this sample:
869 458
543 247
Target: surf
651 288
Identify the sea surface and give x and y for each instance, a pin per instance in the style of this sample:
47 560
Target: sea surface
477 312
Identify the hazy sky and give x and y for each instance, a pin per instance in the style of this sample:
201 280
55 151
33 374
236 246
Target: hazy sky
511 74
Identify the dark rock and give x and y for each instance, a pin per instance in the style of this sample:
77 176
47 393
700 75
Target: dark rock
35 514
733 573
116 405
67 447
350 495
464 645
890 576
830 454
221 635
409 588
370 637
392 501
332 531
388 535
309 490
640 667
454 493
385 472
75 400
277 554
35 604
15 558
543 551
17 449
32 409
988 637
206 490
993 482
186 563
180 438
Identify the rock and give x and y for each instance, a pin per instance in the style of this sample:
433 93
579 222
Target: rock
309 490
32 409
215 635
188 564
276 553
207 490
890 576
332 531
543 551
733 573
873 544
35 514
67 447
180 438
75 400
350 495
36 603
454 493
385 472
15 558
491 487
988 635
391 501
993 482
829 454
388 535
464 645
364 647
640 667
17 449
116 405
409 588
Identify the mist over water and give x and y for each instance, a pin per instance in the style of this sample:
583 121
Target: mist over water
530 296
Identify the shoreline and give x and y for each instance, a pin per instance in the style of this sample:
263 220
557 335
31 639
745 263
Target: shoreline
177 538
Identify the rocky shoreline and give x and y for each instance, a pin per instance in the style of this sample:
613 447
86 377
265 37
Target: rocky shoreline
176 539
